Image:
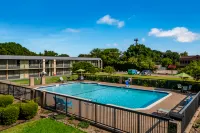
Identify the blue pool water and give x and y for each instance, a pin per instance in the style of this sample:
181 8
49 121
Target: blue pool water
119 96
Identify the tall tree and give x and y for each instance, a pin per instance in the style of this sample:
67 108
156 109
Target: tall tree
166 62
184 54
64 55
50 53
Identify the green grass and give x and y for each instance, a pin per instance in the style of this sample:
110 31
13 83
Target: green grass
43 126
145 77
53 79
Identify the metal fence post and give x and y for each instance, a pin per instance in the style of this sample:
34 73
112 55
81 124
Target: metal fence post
95 108
55 106
66 106
138 123
79 108
114 124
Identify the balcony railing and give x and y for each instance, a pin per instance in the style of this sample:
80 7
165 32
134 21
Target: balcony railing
2 66
13 67
67 65
34 66
13 77
59 65
2 78
59 73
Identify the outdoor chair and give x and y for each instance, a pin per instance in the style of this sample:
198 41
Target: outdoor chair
179 86
62 80
162 111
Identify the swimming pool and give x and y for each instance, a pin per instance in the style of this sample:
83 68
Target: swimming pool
118 96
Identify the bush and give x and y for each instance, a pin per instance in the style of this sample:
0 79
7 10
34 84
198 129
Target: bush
28 110
6 100
83 124
9 115
158 83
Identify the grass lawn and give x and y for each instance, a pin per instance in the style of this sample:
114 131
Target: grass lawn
42 126
49 80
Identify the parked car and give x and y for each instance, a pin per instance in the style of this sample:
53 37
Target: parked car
146 72
132 71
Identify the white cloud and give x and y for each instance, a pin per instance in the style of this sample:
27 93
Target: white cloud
131 16
143 39
71 30
112 45
181 34
110 21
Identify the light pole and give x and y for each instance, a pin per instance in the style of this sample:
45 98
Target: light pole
136 41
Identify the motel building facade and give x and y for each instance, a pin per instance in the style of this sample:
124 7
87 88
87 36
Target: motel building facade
21 67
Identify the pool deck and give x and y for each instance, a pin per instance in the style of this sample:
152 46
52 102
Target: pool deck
168 103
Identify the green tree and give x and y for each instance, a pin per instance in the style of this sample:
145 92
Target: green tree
12 48
88 67
64 55
166 62
193 69
109 69
84 55
184 54
50 53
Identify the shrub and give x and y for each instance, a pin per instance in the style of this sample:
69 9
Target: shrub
9 115
6 100
28 110
159 83
1 110
83 124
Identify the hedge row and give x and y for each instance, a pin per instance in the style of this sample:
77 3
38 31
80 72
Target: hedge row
158 83
9 113
6 100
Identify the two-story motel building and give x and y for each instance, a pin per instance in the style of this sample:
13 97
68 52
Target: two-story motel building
19 67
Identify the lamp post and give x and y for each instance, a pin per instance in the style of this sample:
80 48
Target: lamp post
136 41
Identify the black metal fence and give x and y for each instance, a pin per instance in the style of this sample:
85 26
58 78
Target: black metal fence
114 118
18 92
189 110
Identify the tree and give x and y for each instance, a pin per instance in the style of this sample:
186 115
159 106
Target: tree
109 69
64 55
184 54
84 55
174 56
50 53
166 62
193 69
12 48
88 67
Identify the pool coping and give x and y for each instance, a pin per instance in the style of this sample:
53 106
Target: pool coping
135 109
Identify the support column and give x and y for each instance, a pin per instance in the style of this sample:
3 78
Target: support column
31 81
54 67
101 64
7 69
43 65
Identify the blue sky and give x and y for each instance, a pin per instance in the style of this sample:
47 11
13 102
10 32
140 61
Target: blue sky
78 26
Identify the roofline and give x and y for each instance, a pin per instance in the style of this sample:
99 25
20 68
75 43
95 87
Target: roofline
10 57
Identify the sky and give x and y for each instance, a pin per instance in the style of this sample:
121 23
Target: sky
78 26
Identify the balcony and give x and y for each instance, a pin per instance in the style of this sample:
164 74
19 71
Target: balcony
13 76
59 73
2 78
66 65
34 66
2 66
59 65
13 67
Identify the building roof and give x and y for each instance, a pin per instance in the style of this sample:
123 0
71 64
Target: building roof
45 57
190 57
